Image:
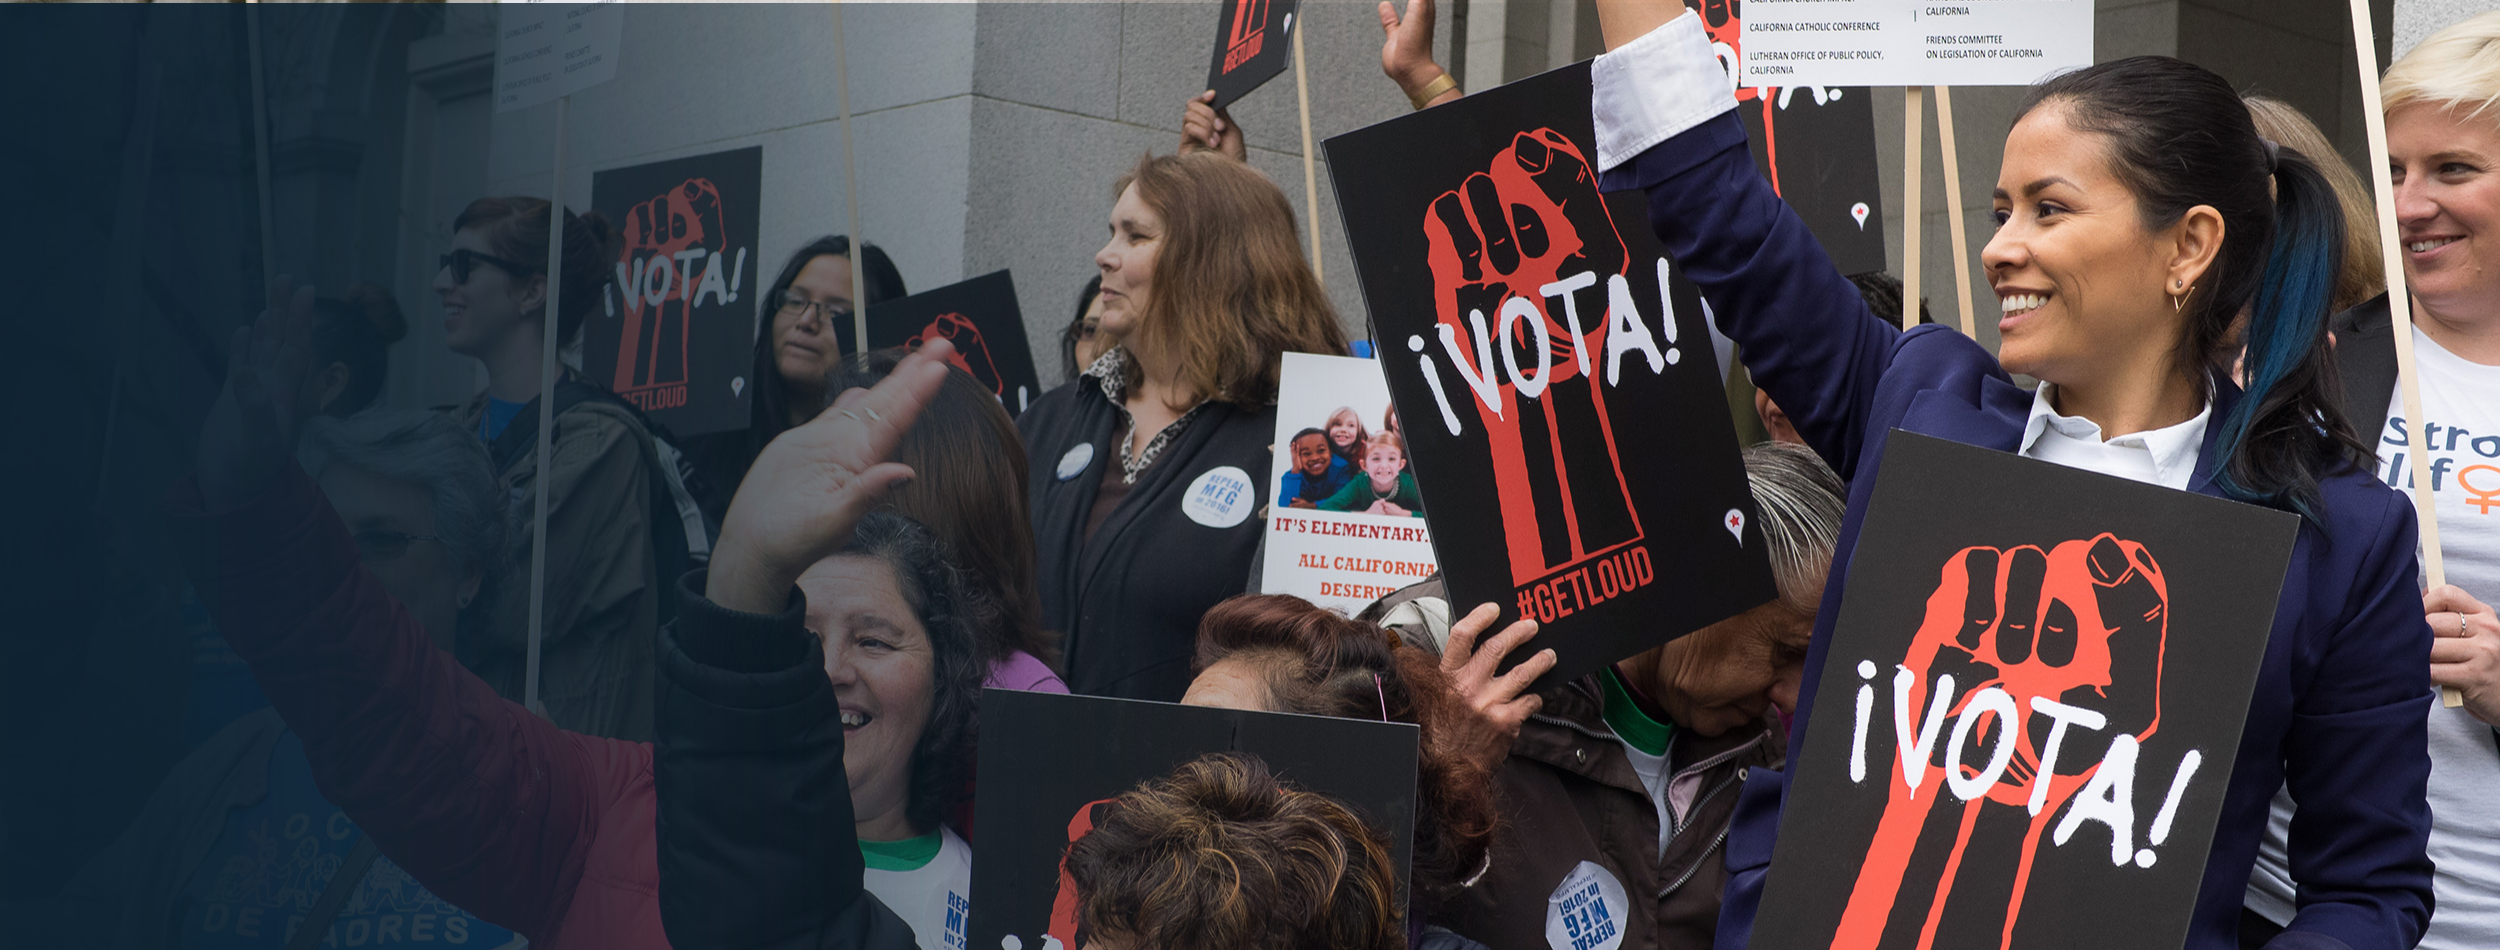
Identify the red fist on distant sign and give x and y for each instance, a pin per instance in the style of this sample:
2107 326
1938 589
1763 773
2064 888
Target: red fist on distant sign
666 241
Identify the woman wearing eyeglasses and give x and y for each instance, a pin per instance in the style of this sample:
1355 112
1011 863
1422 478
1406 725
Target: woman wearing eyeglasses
602 602
802 334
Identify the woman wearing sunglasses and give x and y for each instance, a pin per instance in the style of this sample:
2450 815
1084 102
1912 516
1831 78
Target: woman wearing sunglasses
603 591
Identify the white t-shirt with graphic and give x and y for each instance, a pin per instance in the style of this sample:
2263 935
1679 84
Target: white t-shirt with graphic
935 898
2462 442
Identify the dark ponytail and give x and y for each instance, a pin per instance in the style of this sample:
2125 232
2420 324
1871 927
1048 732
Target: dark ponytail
357 331
2180 137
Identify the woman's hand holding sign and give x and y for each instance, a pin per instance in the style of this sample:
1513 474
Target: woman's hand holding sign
250 430
1498 704
811 485
2465 649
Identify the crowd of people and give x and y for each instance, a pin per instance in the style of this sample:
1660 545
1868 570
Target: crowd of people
757 711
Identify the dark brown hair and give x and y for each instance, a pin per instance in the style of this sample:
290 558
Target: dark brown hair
1219 855
969 487
1231 293
1318 663
516 230
357 331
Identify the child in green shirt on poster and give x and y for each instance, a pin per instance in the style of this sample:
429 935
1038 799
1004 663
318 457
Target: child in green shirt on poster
1389 489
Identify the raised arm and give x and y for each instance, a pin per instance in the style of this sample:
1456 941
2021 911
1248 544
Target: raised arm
1666 124
491 808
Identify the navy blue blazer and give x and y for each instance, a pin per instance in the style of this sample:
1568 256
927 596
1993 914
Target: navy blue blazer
2338 708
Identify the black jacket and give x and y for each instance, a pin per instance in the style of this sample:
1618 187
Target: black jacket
2365 356
1129 600
755 839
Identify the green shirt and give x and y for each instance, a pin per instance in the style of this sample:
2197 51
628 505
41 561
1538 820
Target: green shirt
1358 495
909 854
1631 724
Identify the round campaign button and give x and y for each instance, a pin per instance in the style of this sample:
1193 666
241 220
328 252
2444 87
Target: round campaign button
1586 910
1220 498
1073 464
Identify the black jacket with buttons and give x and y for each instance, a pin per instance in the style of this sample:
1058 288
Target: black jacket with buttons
1569 794
1129 600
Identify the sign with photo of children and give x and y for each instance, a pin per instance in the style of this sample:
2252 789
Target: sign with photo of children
1347 524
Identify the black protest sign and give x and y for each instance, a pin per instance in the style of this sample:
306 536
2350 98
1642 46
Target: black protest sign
676 333
1253 42
1552 370
2108 642
980 317
1048 761
1816 145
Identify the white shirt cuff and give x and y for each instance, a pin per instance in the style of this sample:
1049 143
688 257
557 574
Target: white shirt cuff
1655 87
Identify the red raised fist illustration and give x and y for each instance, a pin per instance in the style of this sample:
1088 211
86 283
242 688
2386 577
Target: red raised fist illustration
666 241
2024 657
1522 255
972 354
1065 924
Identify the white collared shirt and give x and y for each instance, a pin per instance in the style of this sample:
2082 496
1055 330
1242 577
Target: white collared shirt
2165 457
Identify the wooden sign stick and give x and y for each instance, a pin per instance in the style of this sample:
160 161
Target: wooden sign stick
1913 131
1310 167
850 184
548 320
2399 303
1953 212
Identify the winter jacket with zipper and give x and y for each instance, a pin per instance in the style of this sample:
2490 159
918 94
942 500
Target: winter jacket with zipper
1130 597
603 607
1569 794
547 832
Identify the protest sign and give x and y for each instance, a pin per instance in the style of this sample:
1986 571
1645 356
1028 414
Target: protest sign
1910 43
980 317
548 50
2048 702
676 333
1048 760
1815 144
1251 46
1331 541
1553 373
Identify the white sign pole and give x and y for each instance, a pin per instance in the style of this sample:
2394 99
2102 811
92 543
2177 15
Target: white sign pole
1913 131
850 184
1954 224
2399 303
543 52
548 321
260 152
1310 173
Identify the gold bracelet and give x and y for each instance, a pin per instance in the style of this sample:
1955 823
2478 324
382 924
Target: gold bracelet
1432 90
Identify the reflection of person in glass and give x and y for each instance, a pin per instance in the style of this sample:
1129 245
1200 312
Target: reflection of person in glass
1387 487
1317 473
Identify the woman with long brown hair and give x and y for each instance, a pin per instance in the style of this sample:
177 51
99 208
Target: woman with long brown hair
1142 495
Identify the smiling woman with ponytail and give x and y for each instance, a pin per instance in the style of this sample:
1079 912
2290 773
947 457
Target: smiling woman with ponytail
2139 216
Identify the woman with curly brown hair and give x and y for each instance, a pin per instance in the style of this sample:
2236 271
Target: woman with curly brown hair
1220 855
1142 498
1283 654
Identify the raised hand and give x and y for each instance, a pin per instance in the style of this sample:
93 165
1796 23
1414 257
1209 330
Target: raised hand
250 430
1406 46
810 487
1497 704
1207 128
